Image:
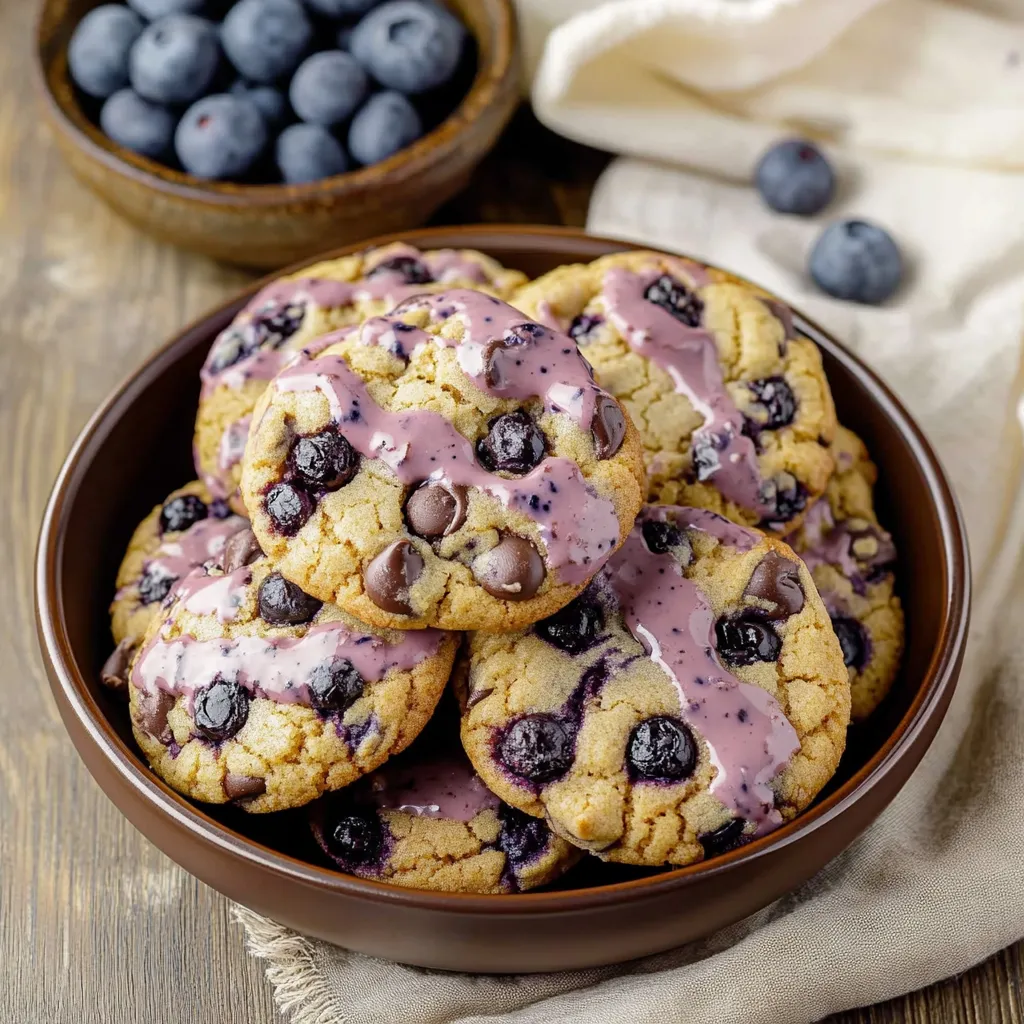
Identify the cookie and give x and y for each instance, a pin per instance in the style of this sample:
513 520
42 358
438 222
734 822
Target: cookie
428 822
852 559
246 689
733 407
289 313
189 529
451 464
694 696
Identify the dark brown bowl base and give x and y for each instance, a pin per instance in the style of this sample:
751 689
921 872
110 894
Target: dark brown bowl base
138 446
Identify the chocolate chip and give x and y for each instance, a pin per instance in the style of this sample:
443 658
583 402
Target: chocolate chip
724 838
151 714
282 603
663 749
114 673
389 576
182 512
325 460
335 687
436 509
476 696
514 444
288 507
221 709
574 629
241 549
513 570
608 426
776 580
241 787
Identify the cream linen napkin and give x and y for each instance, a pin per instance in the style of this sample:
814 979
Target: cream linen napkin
921 105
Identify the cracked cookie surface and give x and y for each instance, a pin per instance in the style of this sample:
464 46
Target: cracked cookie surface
289 313
451 464
733 408
246 689
692 697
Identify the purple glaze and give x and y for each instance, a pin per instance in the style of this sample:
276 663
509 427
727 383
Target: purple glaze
232 444
827 542
689 355
578 527
222 596
749 738
442 788
722 529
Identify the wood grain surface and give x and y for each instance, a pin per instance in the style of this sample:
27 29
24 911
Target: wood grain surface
96 925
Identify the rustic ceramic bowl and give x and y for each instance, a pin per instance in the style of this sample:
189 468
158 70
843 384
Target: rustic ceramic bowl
136 448
272 225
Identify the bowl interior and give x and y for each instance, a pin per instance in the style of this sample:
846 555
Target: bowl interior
138 448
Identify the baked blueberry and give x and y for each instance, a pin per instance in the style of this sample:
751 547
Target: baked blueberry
660 536
325 460
537 748
514 444
724 838
266 39
386 123
175 59
794 177
283 603
143 127
574 629
663 749
221 709
288 507
182 512
99 48
410 269
309 152
776 398
583 324
335 687
745 639
155 584
786 495
675 298
270 101
220 136
521 836
327 88
853 640
857 261
356 839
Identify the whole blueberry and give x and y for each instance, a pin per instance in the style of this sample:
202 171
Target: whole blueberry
182 512
270 102
746 639
662 748
521 836
309 152
151 10
857 261
340 8
386 123
137 124
776 398
324 460
220 136
537 748
410 269
574 629
221 709
266 39
724 838
335 686
288 507
794 177
853 640
356 839
513 444
408 45
175 59
327 88
99 48
283 603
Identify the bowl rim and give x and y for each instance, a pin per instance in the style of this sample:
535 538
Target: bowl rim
932 696
435 147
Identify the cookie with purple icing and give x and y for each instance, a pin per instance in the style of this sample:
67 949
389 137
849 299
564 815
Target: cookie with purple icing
289 313
187 530
852 559
452 464
426 821
693 697
247 689
733 407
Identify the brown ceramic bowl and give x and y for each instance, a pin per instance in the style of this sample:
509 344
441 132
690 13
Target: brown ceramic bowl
137 447
272 225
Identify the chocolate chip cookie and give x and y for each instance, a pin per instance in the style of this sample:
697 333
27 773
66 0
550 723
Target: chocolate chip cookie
289 313
452 464
733 407
693 697
246 689
852 558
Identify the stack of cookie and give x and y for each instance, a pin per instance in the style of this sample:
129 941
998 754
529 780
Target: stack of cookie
612 507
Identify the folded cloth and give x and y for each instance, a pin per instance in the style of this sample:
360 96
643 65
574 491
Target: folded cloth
920 105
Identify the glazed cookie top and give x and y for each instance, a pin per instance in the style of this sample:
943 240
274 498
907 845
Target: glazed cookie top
733 407
452 464
693 696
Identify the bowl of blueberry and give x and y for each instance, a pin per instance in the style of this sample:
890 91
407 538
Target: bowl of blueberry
260 131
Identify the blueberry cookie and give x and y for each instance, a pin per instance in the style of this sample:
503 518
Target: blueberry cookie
733 407
451 464
851 558
186 531
692 697
246 689
286 315
428 822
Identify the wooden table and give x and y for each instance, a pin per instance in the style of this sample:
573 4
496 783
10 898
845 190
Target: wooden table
96 925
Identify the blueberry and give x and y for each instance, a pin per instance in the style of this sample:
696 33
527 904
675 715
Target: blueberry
776 397
220 136
725 837
409 46
514 444
573 629
272 327
746 639
662 748
138 125
175 59
583 324
660 536
221 709
386 123
324 460
356 839
309 152
327 88
283 603
857 261
853 640
786 495
522 836
266 39
99 48
537 748
334 688
340 8
155 584
270 102
794 177
151 10
410 269
182 512
288 507
676 299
